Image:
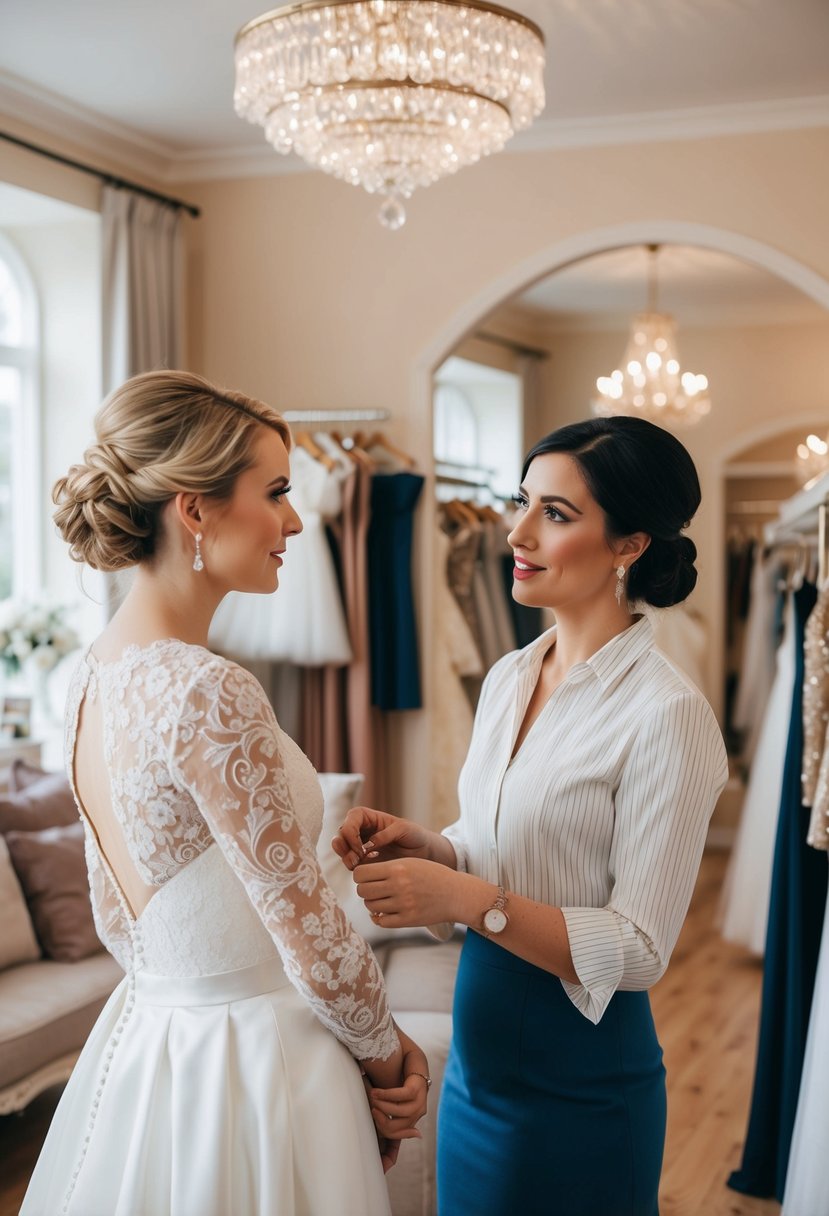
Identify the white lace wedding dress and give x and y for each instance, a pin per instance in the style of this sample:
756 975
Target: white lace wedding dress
213 1083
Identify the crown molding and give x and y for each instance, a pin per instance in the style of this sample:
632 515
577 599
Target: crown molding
699 122
55 115
166 163
246 161
695 122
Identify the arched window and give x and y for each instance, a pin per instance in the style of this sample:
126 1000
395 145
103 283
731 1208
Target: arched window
456 427
20 508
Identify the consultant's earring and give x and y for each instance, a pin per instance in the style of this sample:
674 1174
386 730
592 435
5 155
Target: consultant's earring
198 563
620 583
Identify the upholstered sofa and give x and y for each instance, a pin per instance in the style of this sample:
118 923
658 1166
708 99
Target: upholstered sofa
55 976
48 1006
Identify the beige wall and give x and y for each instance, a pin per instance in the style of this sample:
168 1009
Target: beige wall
298 295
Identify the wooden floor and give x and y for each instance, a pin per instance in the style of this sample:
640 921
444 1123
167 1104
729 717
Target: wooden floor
706 1015
706 1011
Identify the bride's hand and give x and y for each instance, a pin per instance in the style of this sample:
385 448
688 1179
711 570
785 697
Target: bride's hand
371 835
389 1149
396 1111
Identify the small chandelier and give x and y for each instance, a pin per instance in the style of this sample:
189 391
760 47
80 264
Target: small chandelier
812 458
650 383
390 94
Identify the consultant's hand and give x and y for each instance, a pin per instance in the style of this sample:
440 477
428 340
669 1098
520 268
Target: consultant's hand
409 891
368 835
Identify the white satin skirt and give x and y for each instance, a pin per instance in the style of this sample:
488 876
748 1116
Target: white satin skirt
218 1095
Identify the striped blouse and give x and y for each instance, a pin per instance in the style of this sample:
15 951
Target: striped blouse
604 810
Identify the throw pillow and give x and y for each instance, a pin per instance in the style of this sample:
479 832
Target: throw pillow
45 803
23 774
52 871
18 943
341 791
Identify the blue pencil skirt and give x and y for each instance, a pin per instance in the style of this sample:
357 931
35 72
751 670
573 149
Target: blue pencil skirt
542 1113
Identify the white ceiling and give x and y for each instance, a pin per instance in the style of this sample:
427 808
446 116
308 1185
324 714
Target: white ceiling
699 286
161 71
152 83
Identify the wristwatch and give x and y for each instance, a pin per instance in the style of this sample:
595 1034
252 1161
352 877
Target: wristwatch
495 919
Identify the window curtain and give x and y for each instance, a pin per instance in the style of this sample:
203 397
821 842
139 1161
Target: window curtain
142 300
142 285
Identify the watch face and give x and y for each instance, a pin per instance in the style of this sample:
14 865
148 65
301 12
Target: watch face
495 920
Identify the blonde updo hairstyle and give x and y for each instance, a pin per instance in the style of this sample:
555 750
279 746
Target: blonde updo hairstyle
157 435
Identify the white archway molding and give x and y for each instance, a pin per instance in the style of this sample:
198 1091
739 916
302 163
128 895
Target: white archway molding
546 261
769 429
580 245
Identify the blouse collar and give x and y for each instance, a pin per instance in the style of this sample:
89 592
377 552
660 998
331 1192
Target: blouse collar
608 664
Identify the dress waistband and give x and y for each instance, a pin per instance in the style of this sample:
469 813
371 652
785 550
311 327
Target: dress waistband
217 989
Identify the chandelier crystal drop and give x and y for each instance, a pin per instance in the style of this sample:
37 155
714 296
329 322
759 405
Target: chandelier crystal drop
390 95
812 458
650 382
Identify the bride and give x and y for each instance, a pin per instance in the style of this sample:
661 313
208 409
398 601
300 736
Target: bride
224 1074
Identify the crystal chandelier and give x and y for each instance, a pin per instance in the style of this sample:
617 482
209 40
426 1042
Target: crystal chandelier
812 458
390 94
650 383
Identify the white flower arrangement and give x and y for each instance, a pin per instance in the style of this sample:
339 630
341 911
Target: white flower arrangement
34 635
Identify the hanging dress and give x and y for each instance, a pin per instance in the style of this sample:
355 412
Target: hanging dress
807 1178
757 665
395 667
798 897
744 907
303 622
213 1082
455 655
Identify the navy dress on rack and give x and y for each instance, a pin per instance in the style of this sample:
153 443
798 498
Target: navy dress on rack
395 672
798 899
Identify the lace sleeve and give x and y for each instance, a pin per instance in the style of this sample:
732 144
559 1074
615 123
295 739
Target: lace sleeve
224 752
111 923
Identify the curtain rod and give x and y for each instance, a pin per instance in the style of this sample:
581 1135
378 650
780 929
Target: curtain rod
534 352
109 179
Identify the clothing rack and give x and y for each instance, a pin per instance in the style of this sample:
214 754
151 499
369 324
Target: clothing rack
334 417
755 506
457 477
803 517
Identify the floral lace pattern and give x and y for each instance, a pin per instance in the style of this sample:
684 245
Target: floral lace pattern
195 756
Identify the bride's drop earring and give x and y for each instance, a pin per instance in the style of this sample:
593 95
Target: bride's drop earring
620 583
198 563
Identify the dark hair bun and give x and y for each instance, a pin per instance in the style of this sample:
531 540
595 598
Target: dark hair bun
665 574
644 480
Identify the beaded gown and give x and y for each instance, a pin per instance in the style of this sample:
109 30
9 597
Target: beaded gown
213 1082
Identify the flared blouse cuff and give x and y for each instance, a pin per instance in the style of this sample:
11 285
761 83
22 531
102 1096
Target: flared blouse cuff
455 838
442 931
598 959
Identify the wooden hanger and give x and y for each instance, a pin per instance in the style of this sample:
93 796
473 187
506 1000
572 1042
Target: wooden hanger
460 512
487 513
379 440
305 440
353 450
